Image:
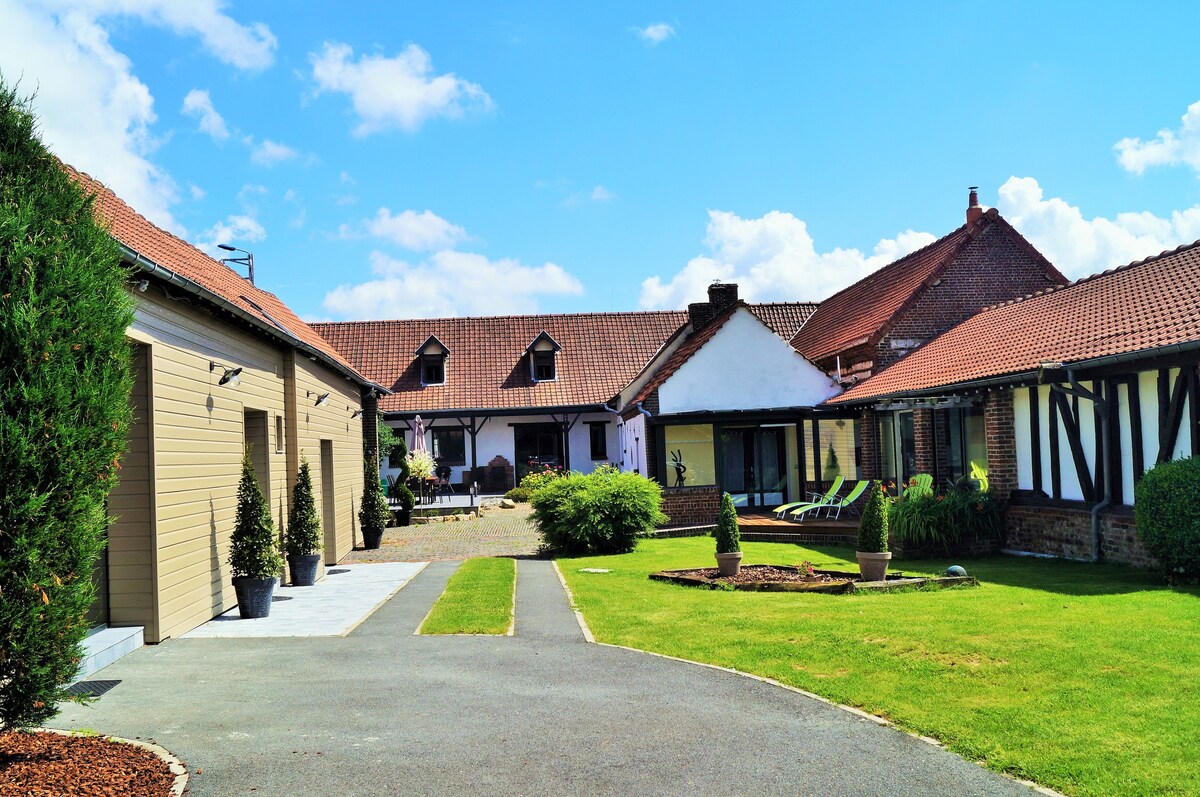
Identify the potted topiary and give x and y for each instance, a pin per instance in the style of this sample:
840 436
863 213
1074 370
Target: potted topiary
729 541
401 494
253 552
303 542
373 514
873 554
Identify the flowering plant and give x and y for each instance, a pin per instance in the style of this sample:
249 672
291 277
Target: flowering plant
420 464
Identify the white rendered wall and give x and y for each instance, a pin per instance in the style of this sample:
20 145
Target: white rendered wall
633 456
1024 444
497 437
745 366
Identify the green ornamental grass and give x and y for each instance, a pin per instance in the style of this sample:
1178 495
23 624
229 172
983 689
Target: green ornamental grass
1080 677
478 600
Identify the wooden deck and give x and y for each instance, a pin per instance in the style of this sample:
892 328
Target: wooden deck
768 528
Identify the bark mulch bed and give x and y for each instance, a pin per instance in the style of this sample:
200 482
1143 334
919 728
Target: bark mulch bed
780 578
41 764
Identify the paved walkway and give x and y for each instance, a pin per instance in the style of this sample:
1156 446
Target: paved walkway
384 712
500 532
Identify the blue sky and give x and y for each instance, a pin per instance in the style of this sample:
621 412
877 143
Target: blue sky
402 160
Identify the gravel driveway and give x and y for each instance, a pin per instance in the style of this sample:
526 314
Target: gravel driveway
500 532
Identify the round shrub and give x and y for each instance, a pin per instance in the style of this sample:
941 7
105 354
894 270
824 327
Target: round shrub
519 495
1167 509
602 512
539 478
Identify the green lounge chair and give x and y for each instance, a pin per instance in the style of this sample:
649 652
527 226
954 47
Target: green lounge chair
919 486
815 498
835 505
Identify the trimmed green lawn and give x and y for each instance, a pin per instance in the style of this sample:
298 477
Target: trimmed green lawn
1080 677
478 599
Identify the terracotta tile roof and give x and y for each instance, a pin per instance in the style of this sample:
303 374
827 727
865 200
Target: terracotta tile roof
488 368
137 233
1145 305
785 318
858 313
863 312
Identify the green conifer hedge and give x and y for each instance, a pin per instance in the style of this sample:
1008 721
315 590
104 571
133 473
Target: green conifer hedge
65 382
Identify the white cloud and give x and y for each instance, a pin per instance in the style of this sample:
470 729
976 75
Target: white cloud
93 110
412 230
1169 148
398 92
243 46
1079 246
602 194
198 103
772 258
197 192
239 228
449 284
656 33
269 153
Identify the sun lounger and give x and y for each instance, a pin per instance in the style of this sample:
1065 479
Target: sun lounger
835 506
814 498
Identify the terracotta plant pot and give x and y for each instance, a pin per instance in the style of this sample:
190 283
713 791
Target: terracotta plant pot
873 566
254 596
372 538
728 564
304 569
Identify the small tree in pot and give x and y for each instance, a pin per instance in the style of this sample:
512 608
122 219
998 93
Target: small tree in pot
402 494
873 554
373 514
303 543
253 553
729 540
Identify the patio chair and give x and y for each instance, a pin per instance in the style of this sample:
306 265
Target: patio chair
919 485
443 486
836 505
814 498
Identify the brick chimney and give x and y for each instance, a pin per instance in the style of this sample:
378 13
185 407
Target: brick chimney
720 296
974 212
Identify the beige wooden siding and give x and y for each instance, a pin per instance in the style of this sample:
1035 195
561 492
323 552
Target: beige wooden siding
198 437
332 422
130 553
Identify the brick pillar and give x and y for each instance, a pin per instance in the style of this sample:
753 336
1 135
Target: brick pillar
941 444
1001 444
923 440
869 464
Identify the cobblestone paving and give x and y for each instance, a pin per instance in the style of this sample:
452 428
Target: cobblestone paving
500 532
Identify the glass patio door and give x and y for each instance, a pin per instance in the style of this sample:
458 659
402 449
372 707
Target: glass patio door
754 466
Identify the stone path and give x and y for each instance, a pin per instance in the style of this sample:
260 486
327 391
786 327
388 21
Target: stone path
383 712
500 532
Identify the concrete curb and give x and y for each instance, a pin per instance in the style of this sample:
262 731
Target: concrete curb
176 766
587 635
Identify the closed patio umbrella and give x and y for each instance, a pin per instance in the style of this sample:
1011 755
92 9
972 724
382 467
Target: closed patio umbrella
418 443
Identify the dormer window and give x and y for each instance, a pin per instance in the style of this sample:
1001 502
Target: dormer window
431 360
543 356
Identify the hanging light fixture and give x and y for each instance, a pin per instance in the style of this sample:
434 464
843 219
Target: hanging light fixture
356 414
230 377
322 400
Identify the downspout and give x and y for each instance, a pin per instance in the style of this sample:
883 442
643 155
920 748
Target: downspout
1105 442
1096 510
643 410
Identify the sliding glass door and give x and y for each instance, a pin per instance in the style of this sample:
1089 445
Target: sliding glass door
754 465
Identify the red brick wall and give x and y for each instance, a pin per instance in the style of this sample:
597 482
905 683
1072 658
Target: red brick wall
869 464
993 268
1001 444
923 440
1064 528
691 506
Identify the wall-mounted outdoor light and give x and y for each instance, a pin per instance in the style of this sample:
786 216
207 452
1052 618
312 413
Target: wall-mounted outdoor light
230 377
322 400
356 414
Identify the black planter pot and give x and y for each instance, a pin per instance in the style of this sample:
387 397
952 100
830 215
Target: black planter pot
254 596
404 517
372 538
304 569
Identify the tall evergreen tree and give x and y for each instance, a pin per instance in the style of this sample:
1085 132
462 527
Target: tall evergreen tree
65 382
253 550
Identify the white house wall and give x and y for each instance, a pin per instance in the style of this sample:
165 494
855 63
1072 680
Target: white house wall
633 445
744 366
496 438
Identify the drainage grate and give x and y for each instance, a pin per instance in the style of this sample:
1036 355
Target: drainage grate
277 598
91 688
337 571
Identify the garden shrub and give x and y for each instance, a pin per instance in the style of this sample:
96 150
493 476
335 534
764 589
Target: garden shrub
1167 510
873 528
64 413
729 539
943 520
539 478
602 512
253 551
373 512
304 527
420 464
398 458
519 495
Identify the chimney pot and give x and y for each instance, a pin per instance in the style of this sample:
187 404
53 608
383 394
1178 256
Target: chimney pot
974 211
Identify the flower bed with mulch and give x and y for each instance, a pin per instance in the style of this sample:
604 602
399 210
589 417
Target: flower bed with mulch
780 578
43 764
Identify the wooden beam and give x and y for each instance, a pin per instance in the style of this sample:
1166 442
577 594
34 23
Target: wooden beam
1070 419
1133 385
1194 408
1170 416
1100 456
1112 460
1055 458
1035 437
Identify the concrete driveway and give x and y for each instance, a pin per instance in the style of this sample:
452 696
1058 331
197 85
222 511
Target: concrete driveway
383 712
